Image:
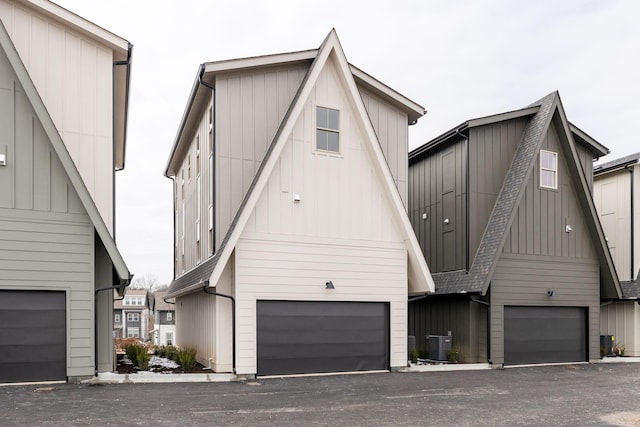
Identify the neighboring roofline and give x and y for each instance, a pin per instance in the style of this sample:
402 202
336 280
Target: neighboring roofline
616 164
599 150
417 269
79 23
63 154
480 121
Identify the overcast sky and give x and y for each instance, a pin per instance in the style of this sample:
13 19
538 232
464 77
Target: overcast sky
458 59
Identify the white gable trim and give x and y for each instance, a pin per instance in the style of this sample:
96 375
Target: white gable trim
420 277
64 156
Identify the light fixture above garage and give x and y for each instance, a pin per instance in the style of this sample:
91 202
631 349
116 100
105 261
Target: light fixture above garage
551 293
329 285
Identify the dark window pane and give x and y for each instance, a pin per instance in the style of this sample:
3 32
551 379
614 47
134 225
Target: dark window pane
321 139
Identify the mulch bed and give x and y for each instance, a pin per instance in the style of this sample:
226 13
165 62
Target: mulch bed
125 368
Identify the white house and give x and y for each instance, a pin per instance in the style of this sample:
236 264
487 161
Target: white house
64 84
293 249
617 198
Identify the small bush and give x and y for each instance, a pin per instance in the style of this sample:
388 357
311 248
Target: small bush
138 354
186 357
453 354
414 354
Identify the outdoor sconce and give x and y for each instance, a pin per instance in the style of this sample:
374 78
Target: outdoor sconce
3 159
329 285
296 198
568 228
551 293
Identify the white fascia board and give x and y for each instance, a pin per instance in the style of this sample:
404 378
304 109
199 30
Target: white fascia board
416 110
259 61
487 120
77 22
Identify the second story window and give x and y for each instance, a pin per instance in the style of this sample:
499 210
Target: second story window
116 318
169 316
328 129
133 317
548 169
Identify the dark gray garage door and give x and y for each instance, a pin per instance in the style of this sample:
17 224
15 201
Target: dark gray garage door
32 336
297 337
544 335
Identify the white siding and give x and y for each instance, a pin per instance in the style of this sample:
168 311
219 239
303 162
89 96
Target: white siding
612 198
390 124
204 321
73 75
342 229
271 267
621 320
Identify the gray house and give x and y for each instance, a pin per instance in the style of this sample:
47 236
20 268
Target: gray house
617 198
59 264
503 211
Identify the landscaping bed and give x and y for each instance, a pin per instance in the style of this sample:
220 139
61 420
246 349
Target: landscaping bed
157 365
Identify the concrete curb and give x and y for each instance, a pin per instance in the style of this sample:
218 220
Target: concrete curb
151 377
446 367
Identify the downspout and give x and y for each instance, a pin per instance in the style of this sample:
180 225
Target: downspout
205 288
213 150
126 63
466 220
632 225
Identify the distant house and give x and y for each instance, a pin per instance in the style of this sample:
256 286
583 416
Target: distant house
63 108
293 250
503 211
133 315
617 198
164 321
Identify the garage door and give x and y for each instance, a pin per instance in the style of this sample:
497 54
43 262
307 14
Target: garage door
32 336
296 337
544 335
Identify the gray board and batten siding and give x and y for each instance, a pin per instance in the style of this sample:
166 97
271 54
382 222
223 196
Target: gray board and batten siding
48 240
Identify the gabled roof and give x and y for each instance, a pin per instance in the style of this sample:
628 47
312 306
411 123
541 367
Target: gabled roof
122 51
477 280
419 275
65 159
206 76
595 147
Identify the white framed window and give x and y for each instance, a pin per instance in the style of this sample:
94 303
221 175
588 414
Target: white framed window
327 129
189 167
133 317
197 155
182 184
169 316
169 338
116 318
548 169
134 300
133 332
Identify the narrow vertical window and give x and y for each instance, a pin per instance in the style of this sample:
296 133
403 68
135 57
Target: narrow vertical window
328 129
198 155
548 169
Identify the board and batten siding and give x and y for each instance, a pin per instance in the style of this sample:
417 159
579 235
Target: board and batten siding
621 320
391 127
437 190
296 269
46 236
491 151
342 229
73 76
539 255
204 321
612 198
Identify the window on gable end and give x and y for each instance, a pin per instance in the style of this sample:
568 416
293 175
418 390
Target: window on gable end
548 169
328 129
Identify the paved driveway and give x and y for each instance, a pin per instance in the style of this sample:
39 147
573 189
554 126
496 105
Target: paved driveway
579 395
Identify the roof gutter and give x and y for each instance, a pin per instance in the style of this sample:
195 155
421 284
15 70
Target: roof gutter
126 63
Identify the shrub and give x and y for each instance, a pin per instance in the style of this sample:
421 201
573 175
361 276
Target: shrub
453 354
186 357
414 354
138 354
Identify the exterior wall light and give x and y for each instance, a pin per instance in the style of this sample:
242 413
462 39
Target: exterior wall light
551 293
329 285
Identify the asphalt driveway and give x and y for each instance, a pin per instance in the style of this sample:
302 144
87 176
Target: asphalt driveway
597 394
